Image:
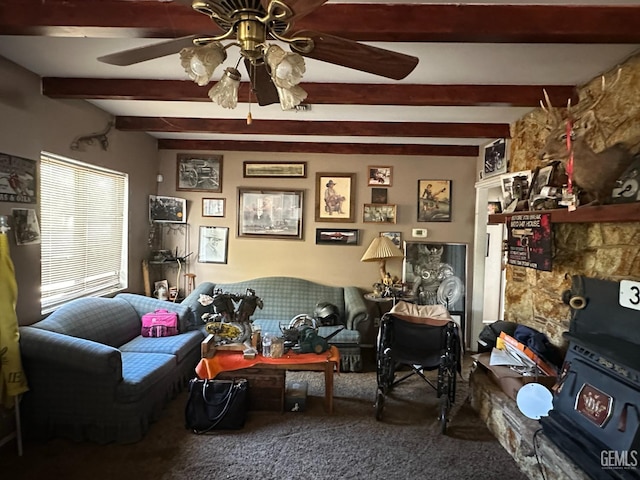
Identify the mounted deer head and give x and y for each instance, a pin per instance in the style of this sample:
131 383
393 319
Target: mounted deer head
593 173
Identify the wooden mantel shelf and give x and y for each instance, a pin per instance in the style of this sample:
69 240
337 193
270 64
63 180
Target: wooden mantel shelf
623 212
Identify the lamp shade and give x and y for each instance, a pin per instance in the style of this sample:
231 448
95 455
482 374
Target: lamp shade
381 248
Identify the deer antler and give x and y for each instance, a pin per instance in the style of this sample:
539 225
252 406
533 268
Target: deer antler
553 115
584 106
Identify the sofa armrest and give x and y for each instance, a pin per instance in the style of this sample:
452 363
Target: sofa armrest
355 308
74 353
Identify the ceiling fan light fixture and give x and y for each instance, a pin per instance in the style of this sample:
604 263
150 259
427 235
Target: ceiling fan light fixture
225 92
200 62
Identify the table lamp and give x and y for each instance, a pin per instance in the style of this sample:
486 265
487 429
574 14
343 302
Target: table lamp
380 249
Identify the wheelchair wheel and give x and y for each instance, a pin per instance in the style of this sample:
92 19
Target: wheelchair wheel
444 413
379 405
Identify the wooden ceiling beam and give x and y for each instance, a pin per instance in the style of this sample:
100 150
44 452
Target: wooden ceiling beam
319 93
323 128
311 147
376 21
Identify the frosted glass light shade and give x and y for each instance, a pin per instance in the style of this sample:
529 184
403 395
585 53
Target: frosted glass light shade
200 62
225 92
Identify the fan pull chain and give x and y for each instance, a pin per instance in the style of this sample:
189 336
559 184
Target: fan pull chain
251 77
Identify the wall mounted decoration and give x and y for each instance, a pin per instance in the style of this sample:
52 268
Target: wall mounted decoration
213 207
434 200
437 273
335 197
495 158
515 186
529 241
274 169
379 213
199 173
337 236
213 244
395 237
17 179
25 225
270 213
167 209
378 195
380 176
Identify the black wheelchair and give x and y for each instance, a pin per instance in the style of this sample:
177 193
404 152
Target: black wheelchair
422 343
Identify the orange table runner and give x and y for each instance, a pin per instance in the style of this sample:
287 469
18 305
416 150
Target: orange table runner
234 360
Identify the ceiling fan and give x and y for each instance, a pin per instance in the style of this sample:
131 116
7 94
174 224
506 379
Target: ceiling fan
274 73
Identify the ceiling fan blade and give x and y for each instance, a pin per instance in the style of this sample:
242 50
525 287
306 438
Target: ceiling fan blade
300 8
149 52
262 85
351 54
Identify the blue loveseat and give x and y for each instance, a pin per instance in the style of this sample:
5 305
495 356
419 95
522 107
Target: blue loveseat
285 297
92 377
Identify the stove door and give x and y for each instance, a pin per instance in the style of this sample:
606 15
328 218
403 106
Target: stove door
602 404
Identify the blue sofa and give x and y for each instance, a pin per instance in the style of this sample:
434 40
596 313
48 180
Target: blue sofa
285 297
92 377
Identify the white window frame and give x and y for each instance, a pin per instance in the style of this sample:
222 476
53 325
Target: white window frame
84 230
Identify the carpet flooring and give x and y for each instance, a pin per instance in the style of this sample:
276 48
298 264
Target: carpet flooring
350 444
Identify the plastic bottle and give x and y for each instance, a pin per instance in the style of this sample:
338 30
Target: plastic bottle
266 345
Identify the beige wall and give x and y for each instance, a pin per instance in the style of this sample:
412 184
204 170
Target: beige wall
329 264
31 123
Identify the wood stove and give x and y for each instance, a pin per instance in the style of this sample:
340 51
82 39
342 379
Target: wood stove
595 418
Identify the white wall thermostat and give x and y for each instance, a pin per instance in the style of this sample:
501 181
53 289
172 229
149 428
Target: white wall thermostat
419 232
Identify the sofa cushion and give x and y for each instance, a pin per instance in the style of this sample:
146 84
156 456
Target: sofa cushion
110 321
140 371
177 345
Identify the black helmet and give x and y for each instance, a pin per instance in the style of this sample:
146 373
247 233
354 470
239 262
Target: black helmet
327 314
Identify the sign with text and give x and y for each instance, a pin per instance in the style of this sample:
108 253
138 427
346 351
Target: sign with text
529 241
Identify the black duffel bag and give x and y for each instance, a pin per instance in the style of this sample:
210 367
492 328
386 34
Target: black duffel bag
216 405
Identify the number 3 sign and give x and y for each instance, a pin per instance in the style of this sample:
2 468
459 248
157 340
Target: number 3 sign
630 294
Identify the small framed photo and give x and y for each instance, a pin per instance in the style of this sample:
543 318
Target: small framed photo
335 198
395 237
213 244
270 213
27 230
380 176
199 173
493 208
495 158
337 236
378 195
434 200
379 213
161 284
274 169
167 209
213 207
541 178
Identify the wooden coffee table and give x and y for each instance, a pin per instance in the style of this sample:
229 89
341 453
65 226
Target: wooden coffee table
327 362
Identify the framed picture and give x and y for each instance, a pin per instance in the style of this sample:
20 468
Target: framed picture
380 176
495 158
378 195
395 237
167 209
213 244
436 274
21 180
540 179
27 230
213 207
161 284
515 187
434 200
337 236
270 213
199 173
494 207
335 198
274 169
379 213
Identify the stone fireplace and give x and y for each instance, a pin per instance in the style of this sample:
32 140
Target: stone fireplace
605 250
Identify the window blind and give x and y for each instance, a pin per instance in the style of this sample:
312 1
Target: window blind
83 230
